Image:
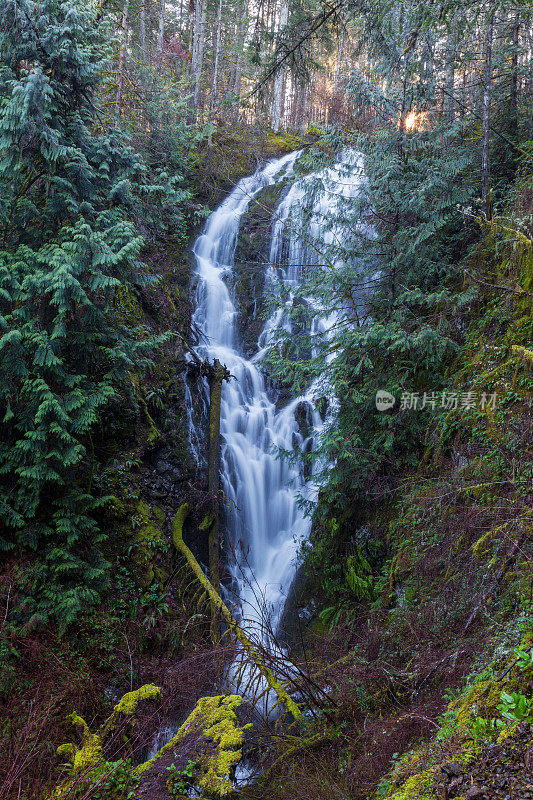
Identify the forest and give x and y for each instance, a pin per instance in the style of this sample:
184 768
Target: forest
266 399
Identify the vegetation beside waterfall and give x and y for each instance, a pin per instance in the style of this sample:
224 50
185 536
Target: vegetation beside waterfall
409 628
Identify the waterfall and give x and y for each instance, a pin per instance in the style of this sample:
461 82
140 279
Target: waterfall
265 522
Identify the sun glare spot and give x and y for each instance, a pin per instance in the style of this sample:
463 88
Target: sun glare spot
411 121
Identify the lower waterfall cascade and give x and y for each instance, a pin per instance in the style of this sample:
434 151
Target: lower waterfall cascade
265 521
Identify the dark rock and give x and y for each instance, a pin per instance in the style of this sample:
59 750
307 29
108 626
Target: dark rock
452 768
455 787
474 793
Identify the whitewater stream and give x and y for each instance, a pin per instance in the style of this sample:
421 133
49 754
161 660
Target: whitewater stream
265 522
264 519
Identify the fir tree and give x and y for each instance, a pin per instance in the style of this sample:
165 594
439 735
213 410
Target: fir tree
68 251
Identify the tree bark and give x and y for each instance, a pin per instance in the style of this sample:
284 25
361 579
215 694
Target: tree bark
451 45
513 100
122 60
214 85
237 77
487 80
200 13
142 24
217 375
277 101
160 32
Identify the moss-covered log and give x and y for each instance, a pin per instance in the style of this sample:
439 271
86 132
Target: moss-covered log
89 754
217 375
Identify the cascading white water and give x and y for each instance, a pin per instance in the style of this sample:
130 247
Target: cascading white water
265 521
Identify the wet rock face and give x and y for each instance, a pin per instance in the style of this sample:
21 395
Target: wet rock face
251 260
299 611
169 471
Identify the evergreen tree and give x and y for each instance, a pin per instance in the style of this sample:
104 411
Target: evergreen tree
69 252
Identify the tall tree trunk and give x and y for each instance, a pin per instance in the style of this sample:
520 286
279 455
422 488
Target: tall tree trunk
487 80
302 107
340 54
142 24
335 99
200 55
160 32
277 101
529 83
200 13
214 86
218 374
448 104
237 76
122 60
513 100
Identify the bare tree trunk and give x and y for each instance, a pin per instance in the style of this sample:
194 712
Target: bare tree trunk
339 63
278 80
448 104
487 79
200 60
236 89
335 99
217 375
200 13
160 32
214 86
142 23
122 59
530 40
513 101
302 107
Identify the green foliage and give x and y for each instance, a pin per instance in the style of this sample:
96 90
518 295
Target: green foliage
516 707
359 576
109 780
180 781
69 255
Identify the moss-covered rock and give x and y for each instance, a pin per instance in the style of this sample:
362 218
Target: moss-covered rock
148 543
212 739
88 756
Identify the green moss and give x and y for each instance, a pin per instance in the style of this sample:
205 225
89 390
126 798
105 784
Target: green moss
90 752
421 785
213 719
130 701
88 755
